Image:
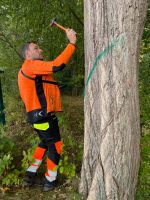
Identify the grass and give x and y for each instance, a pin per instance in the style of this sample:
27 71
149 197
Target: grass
143 189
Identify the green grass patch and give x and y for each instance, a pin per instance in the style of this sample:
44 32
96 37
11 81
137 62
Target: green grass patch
143 190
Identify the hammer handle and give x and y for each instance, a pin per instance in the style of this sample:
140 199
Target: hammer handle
61 27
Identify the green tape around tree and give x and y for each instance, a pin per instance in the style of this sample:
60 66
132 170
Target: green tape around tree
101 55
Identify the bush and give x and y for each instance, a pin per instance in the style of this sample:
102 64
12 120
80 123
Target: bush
8 174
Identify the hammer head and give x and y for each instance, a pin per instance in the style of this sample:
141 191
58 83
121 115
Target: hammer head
53 22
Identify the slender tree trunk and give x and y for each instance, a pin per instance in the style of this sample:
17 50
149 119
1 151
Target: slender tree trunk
112 129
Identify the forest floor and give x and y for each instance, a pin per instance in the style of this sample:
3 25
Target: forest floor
68 188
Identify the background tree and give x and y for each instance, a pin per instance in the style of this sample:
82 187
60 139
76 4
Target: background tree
111 105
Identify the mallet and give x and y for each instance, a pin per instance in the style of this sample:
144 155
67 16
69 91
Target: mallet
54 23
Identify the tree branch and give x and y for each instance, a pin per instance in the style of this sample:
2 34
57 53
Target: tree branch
5 39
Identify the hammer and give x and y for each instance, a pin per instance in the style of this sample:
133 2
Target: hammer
54 23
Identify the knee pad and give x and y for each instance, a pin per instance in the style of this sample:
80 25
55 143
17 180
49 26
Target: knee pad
58 146
39 153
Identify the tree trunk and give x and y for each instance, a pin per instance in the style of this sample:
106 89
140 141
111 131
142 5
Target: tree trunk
113 31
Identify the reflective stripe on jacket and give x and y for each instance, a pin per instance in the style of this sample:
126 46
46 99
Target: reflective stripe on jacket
42 98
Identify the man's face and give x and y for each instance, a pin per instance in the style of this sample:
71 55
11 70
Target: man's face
34 52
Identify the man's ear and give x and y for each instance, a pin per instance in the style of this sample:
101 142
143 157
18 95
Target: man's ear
27 53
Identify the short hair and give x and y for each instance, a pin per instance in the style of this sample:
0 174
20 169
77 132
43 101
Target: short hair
25 47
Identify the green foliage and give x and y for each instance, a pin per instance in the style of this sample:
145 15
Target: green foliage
28 155
5 163
6 145
63 122
52 40
8 174
12 178
144 74
143 190
67 164
146 33
66 167
144 85
27 158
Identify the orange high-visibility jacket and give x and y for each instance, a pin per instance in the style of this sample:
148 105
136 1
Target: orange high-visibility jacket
39 97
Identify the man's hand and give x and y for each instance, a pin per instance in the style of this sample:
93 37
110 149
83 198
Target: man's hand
71 35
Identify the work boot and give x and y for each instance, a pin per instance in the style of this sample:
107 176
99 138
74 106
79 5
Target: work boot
49 185
31 179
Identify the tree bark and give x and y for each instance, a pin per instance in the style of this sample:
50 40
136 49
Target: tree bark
111 104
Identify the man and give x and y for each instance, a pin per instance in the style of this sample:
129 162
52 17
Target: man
41 96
